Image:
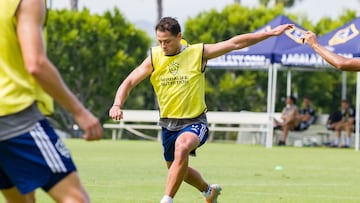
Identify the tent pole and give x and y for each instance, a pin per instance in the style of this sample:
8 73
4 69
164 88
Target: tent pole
343 84
274 92
269 134
357 113
269 139
288 84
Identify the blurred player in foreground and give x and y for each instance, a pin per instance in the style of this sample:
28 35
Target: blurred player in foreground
31 154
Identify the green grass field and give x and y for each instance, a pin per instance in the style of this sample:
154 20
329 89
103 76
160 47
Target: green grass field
134 172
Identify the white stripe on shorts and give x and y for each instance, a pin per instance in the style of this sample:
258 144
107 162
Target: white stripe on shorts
202 132
47 149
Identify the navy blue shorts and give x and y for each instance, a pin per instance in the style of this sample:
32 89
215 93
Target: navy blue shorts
35 159
169 138
302 126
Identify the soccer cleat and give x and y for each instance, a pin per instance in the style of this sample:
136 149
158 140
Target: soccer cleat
281 143
344 146
215 192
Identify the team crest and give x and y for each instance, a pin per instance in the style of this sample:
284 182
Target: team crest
344 35
60 146
173 68
296 34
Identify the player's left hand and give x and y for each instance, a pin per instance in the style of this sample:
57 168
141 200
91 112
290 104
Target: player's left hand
309 38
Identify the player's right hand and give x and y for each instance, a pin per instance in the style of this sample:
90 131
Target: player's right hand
90 125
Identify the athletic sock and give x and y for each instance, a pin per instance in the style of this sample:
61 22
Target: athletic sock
207 193
347 141
166 199
337 141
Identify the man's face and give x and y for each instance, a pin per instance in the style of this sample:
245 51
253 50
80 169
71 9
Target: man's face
289 101
344 105
169 43
306 102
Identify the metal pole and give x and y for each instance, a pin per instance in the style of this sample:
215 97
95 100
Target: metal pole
344 81
357 113
269 133
269 139
288 84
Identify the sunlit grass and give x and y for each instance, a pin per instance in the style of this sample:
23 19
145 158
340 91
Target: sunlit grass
134 172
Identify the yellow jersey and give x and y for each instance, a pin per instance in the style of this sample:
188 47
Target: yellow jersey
179 82
18 89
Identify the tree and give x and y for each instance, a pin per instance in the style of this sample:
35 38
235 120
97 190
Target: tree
285 3
232 90
159 9
94 54
74 5
326 24
236 90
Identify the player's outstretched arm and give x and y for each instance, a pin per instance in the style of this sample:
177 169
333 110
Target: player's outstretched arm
241 41
339 62
30 19
135 77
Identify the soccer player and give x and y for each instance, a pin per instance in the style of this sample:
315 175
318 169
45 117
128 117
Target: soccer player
177 74
31 154
339 62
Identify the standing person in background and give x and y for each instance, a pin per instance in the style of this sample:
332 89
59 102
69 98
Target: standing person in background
339 62
31 154
177 74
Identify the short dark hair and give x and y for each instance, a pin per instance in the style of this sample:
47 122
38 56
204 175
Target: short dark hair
293 98
168 24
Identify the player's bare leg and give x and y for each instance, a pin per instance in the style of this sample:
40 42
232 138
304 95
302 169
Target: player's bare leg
178 169
69 190
12 195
